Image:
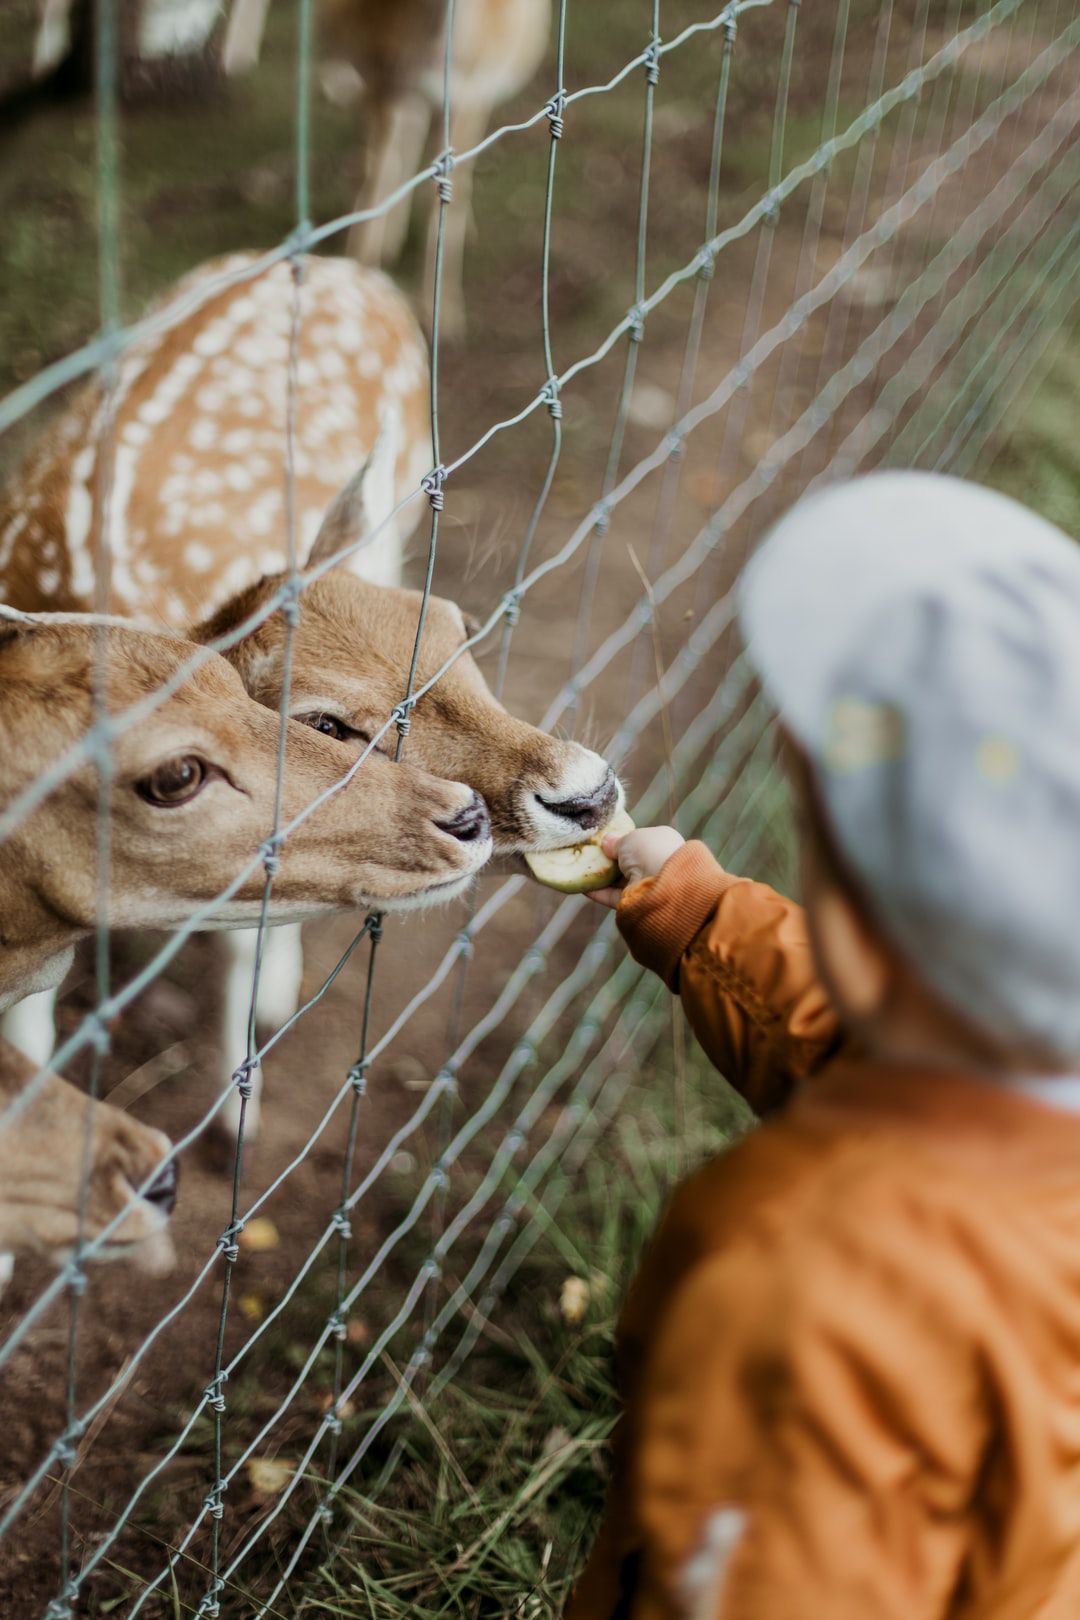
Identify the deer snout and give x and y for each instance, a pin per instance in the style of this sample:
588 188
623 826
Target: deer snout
162 1190
589 809
470 824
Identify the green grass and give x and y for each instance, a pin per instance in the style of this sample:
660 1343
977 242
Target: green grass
1036 458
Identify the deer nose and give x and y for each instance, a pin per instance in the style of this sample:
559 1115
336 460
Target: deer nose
469 824
586 810
162 1190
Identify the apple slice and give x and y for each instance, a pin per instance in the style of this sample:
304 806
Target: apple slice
581 867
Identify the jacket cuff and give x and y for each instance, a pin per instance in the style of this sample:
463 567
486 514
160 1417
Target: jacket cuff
660 917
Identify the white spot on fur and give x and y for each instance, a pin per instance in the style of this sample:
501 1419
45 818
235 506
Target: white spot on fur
198 556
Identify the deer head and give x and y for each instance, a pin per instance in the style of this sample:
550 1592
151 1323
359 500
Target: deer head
350 660
190 798
50 1144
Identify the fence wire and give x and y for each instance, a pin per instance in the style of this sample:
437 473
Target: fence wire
879 266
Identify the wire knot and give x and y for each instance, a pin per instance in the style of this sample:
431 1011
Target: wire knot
215 1507
210 1605
550 395
77 1281
706 264
441 173
373 923
270 857
215 1397
556 114
62 1606
227 1242
466 944
637 324
401 715
98 1030
432 487
341 1224
243 1076
511 606
358 1076
770 212
67 1446
215 1400
338 1326
290 604
731 28
446 1081
332 1425
601 519
652 63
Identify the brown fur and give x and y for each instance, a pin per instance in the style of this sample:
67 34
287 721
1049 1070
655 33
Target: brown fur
376 840
351 655
196 460
43 1151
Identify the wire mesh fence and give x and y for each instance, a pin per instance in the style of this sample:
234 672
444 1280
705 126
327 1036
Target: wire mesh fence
798 241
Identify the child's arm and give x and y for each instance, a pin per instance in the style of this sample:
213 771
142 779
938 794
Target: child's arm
736 952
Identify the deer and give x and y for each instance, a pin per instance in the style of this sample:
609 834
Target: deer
191 798
397 48
56 1140
351 648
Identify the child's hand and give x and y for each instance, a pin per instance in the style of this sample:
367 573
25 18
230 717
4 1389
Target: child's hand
640 854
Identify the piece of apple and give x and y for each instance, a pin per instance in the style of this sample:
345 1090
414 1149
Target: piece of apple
580 867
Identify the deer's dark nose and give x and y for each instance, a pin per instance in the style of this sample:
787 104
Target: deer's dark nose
586 810
162 1190
470 824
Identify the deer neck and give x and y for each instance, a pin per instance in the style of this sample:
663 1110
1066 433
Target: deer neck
36 946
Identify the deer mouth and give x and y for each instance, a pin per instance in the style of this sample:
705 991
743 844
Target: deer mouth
557 818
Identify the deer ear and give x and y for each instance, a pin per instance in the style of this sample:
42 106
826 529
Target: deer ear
345 519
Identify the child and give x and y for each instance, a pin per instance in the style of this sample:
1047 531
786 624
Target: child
850 1360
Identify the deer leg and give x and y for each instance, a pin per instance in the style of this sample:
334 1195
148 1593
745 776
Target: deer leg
395 141
277 998
31 1026
243 36
467 130
282 972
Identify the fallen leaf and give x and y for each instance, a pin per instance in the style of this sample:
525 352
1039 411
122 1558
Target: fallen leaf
268 1476
574 1299
251 1307
259 1235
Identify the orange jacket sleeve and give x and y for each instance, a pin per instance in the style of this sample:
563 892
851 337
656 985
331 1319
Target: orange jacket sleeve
809 1440
738 954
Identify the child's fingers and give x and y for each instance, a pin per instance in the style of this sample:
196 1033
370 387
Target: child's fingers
605 897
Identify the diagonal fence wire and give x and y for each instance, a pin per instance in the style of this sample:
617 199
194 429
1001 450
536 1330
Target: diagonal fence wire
921 385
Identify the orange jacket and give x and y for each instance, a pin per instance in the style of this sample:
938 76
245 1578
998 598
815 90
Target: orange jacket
850 1361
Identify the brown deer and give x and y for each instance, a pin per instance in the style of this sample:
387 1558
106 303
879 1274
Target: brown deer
354 640
48 1145
397 48
191 798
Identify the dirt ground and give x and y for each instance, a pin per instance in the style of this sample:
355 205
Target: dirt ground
198 208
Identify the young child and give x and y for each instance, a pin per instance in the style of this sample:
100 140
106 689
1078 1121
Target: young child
850 1360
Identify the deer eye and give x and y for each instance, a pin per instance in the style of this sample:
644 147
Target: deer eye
331 726
175 782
